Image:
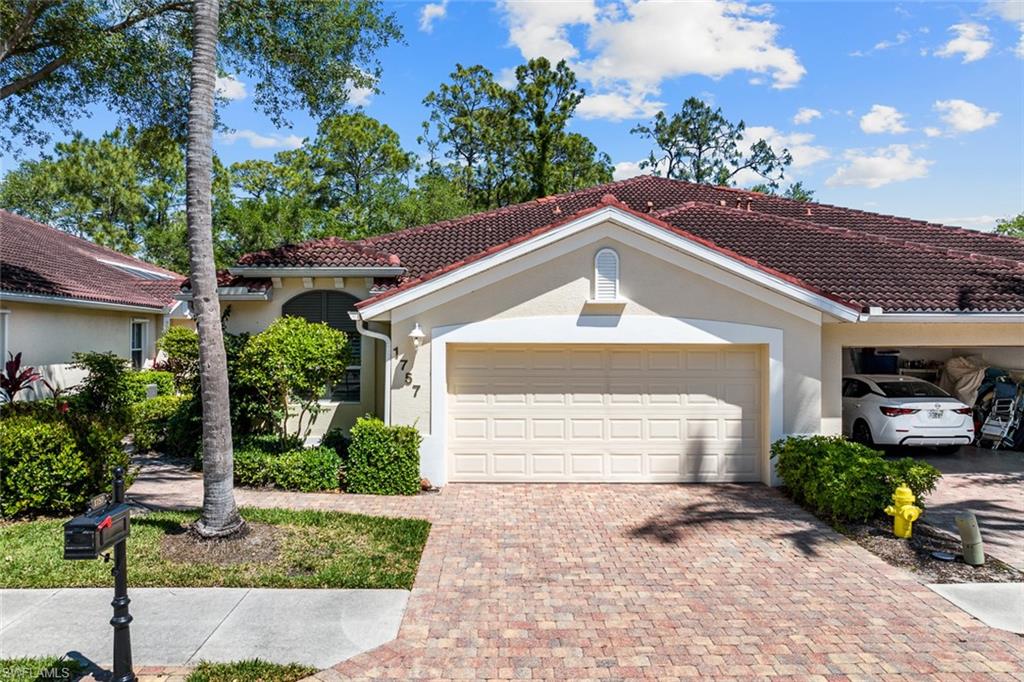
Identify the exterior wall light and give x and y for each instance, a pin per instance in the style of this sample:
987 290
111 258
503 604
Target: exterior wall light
417 335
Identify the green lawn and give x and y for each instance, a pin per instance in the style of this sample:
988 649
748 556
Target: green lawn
34 669
315 549
248 671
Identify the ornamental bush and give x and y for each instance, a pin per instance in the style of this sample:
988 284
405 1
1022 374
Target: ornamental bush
180 345
151 419
303 470
140 380
42 471
845 481
382 459
107 391
294 360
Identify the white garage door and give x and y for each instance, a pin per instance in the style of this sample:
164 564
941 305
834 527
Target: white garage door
610 413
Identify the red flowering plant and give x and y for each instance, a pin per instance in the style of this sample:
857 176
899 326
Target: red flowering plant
14 379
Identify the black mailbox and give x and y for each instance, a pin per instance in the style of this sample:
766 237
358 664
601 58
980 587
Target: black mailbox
89 535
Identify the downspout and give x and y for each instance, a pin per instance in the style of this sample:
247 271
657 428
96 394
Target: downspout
361 328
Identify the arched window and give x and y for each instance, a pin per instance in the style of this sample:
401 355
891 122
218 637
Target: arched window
606 275
333 308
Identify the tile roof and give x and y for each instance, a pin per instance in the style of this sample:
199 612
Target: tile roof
332 252
41 260
868 259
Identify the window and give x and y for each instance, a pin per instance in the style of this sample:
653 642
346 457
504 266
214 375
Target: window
606 275
333 308
138 343
911 389
853 388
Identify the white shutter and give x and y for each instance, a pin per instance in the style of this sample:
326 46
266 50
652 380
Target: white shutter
606 275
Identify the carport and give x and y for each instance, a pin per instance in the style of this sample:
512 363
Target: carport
885 344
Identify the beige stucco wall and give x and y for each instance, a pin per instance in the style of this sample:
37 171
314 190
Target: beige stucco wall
255 316
47 335
836 337
650 286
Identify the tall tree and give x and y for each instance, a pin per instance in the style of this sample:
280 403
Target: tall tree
220 515
357 169
700 145
796 191
125 190
1011 227
507 145
58 57
540 107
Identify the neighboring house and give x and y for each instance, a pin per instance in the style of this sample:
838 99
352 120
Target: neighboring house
60 294
644 330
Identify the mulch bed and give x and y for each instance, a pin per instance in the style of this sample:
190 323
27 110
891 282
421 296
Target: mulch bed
256 543
915 554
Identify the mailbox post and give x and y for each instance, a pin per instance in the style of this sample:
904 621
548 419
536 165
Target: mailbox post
90 535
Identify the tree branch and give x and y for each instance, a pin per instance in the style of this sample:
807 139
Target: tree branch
32 13
54 64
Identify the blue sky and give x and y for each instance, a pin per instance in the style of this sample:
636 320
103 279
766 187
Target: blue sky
913 109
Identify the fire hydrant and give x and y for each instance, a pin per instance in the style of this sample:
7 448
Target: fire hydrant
903 511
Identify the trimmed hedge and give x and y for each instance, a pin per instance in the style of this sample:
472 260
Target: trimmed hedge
138 381
152 418
845 481
382 459
311 470
42 470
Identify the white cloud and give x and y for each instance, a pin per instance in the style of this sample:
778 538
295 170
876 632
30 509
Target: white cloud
230 88
879 167
901 37
507 78
1011 10
972 41
258 141
1019 50
977 222
614 106
430 13
627 169
965 117
883 119
806 115
359 97
628 49
800 145
932 132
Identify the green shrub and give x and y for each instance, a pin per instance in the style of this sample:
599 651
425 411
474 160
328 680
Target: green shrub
309 470
181 347
270 443
151 419
140 380
293 360
185 431
845 481
107 388
337 441
382 459
42 471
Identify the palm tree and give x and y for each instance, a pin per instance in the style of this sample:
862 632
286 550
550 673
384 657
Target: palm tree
220 515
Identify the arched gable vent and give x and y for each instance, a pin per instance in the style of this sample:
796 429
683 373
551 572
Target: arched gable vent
606 275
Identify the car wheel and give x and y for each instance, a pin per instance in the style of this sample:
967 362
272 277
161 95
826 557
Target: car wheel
862 433
947 449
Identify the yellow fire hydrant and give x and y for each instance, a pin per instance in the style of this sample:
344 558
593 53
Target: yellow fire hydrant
903 511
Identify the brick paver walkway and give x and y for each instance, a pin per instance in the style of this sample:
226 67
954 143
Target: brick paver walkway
661 581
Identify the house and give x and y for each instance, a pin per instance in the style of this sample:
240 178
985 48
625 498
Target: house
60 294
643 330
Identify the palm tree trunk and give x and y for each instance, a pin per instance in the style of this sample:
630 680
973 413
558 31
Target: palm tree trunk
220 514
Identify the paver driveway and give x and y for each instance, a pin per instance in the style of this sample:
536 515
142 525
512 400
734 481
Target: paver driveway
664 581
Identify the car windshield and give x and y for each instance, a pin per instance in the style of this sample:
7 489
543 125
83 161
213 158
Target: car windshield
911 389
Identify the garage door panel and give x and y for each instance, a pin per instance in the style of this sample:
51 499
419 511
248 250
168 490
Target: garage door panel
565 413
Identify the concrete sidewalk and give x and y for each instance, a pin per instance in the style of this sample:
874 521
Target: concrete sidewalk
181 626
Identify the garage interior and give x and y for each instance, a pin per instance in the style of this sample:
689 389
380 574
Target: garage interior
988 379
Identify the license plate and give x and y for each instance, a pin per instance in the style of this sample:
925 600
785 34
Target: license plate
935 414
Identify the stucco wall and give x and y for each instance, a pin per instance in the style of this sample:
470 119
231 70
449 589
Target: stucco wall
835 337
47 335
254 316
649 284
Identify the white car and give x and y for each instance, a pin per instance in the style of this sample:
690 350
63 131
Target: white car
891 409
